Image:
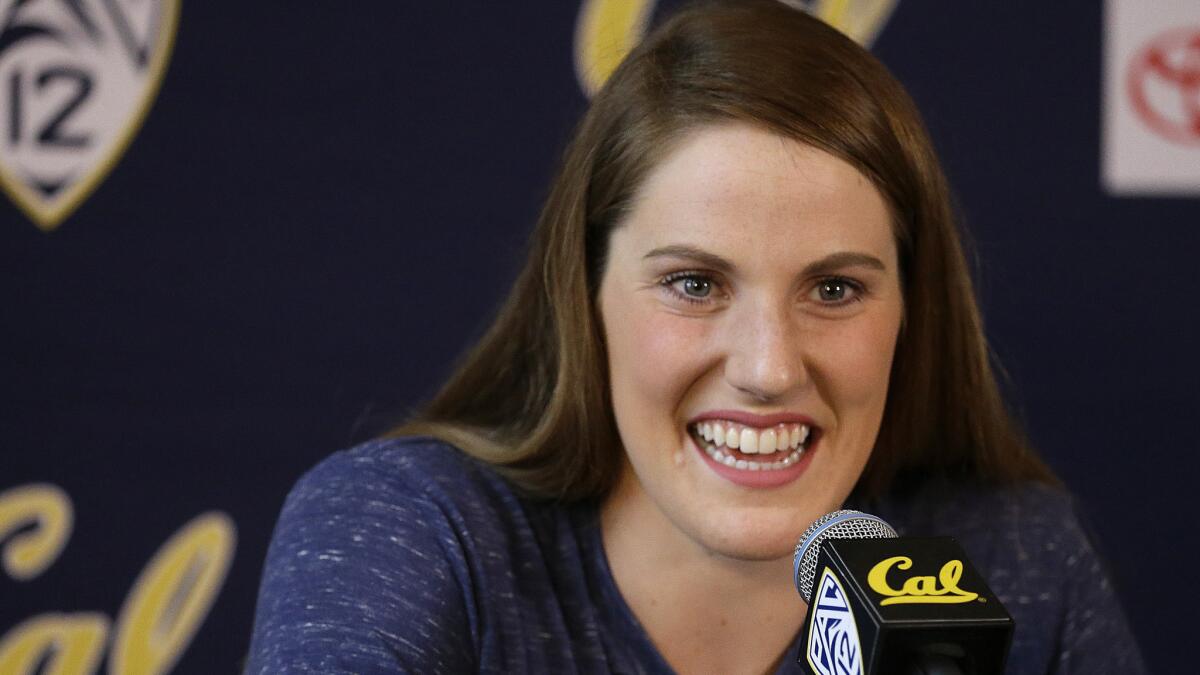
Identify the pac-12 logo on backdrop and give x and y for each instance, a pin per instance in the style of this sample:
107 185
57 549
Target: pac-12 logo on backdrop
76 79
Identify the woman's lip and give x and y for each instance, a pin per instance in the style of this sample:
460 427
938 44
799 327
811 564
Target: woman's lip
751 419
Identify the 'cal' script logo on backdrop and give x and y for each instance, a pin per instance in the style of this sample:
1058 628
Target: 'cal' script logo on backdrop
607 30
76 79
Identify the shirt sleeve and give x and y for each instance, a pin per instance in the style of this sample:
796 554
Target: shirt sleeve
1096 637
363 575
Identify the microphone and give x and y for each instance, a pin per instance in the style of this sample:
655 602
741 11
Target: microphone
879 604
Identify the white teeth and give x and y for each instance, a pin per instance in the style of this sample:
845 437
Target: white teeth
766 442
718 435
753 441
749 442
751 465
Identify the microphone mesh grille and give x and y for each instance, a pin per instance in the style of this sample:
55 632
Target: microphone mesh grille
844 524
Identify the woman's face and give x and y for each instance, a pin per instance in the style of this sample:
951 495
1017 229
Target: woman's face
750 304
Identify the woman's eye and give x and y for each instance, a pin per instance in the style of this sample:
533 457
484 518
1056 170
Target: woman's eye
832 290
837 291
695 288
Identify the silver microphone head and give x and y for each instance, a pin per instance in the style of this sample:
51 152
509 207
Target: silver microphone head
844 524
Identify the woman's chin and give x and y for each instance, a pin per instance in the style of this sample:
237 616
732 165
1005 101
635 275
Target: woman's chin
758 541
754 551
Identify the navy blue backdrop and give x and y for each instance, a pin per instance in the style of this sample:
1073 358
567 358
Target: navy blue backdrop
327 200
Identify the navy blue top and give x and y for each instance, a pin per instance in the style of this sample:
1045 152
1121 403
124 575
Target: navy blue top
409 556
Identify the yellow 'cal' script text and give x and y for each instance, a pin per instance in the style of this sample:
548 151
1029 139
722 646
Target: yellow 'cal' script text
941 590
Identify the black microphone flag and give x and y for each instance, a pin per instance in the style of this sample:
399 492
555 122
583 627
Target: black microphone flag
882 604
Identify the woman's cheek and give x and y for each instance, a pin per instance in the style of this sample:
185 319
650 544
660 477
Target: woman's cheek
667 354
856 357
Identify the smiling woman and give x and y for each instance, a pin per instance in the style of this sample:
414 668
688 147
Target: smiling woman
754 286
745 305
752 291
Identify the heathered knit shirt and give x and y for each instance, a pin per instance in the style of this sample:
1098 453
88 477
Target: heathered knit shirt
408 556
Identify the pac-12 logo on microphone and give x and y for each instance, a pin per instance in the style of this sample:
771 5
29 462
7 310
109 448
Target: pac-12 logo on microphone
76 79
833 647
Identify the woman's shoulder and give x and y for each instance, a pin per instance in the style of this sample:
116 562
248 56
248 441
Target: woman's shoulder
938 507
1014 531
409 459
1024 537
1032 543
424 486
415 468
378 543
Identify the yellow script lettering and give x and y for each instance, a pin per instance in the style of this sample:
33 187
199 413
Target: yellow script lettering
171 597
48 509
860 20
74 644
922 589
605 32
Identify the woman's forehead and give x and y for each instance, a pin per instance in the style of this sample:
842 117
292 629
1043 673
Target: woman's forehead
737 185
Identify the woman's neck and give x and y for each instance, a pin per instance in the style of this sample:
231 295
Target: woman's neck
704 612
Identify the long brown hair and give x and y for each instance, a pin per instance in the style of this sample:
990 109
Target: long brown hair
532 398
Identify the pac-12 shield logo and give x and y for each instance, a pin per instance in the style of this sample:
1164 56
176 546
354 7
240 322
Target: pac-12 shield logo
76 79
833 647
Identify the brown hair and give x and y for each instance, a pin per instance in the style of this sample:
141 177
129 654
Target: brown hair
532 396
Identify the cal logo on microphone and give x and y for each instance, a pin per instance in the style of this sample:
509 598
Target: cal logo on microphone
880 603
940 590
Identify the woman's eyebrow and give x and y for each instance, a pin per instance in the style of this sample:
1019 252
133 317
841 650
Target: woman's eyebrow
710 260
830 263
841 260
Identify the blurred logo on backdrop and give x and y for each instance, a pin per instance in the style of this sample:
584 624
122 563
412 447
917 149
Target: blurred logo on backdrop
77 77
1164 85
164 608
607 30
1152 97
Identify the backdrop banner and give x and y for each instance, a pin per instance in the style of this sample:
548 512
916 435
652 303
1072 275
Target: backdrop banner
237 237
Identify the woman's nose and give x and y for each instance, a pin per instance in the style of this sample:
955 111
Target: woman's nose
764 356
